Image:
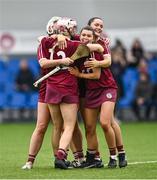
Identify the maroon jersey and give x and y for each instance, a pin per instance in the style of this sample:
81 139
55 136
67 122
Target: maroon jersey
83 69
105 46
106 79
42 88
62 79
39 56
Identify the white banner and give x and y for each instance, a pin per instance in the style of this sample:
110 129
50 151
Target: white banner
25 42
22 42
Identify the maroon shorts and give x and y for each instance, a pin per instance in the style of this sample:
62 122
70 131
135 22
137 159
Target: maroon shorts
57 95
42 92
95 98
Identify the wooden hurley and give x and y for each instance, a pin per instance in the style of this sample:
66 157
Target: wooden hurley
81 52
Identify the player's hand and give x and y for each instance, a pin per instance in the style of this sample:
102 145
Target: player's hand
74 71
107 41
91 63
66 61
61 39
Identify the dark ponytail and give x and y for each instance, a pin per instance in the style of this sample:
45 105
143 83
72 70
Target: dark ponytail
92 19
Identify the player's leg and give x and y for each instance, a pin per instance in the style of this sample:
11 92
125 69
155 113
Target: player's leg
119 143
90 121
106 112
57 125
76 146
69 114
43 117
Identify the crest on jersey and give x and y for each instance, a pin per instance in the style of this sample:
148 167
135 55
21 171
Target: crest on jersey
109 95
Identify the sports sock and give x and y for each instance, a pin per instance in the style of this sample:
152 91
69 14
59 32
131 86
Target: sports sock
97 155
113 153
120 149
31 158
91 151
78 154
61 154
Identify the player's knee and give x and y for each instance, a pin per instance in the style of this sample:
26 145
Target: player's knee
41 129
105 125
90 130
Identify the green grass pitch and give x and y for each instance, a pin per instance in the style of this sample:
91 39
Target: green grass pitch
140 141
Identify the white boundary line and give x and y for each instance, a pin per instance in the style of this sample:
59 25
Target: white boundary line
144 162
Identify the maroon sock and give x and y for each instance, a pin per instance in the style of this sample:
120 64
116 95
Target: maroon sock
97 155
61 154
31 158
112 151
120 149
78 154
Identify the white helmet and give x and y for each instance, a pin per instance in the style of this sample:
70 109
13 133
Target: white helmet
72 26
62 25
51 24
65 24
72 23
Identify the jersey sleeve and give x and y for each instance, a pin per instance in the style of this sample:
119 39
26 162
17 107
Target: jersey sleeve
42 49
39 53
106 49
45 45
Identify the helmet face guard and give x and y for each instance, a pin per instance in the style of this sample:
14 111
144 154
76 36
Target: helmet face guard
72 26
65 26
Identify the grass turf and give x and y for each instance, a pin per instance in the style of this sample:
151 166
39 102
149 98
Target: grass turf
140 144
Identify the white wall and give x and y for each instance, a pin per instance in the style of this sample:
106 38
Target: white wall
34 14
25 20
26 41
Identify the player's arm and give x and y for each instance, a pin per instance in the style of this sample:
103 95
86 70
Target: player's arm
44 62
95 47
93 63
47 63
94 75
104 63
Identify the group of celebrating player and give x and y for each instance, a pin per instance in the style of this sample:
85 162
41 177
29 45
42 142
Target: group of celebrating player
87 86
